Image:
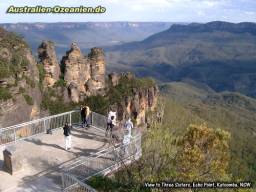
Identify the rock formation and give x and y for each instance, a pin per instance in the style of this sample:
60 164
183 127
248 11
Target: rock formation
18 79
115 77
47 57
97 65
84 76
137 103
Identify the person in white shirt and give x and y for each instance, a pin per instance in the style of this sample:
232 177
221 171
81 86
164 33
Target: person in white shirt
128 126
111 122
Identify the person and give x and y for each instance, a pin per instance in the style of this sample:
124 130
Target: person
111 122
82 112
129 125
67 136
126 141
87 114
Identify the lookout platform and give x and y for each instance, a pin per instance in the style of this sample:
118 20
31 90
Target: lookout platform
45 157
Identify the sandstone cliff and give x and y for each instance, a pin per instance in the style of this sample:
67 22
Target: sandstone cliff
47 57
139 98
84 75
81 79
20 97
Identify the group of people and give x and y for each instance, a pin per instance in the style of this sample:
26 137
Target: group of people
128 126
111 123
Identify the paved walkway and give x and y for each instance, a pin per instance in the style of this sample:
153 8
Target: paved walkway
44 156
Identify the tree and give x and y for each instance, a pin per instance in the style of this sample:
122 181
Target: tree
203 154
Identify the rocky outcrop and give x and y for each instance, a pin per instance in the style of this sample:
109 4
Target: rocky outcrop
84 75
138 103
47 57
96 84
16 109
114 77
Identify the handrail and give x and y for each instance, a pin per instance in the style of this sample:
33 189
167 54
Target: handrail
90 166
100 153
76 181
36 120
11 134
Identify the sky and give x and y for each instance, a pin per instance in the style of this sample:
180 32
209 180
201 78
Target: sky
139 10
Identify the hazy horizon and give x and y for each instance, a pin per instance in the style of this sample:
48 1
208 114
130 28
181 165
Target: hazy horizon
200 11
184 22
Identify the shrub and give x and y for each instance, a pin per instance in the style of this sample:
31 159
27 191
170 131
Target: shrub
98 104
28 99
60 83
41 73
55 106
4 69
5 94
30 82
21 90
126 86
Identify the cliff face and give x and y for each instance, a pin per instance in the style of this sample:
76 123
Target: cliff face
20 97
84 75
47 57
21 80
140 100
96 84
138 104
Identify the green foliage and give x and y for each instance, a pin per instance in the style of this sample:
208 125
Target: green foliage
203 154
54 103
105 184
15 45
41 74
4 69
232 112
195 153
98 104
30 82
60 83
21 90
5 94
126 88
11 40
55 107
28 99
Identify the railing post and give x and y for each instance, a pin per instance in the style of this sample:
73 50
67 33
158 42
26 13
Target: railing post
63 181
15 138
44 126
70 118
92 118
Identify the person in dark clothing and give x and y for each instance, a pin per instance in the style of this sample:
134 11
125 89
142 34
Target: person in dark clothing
110 125
83 116
67 136
87 113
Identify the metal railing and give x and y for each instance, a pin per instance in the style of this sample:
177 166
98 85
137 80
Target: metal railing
102 162
81 169
23 131
72 184
11 134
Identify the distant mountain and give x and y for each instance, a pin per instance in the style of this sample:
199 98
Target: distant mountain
219 54
87 35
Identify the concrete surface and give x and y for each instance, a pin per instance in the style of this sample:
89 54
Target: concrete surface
45 156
